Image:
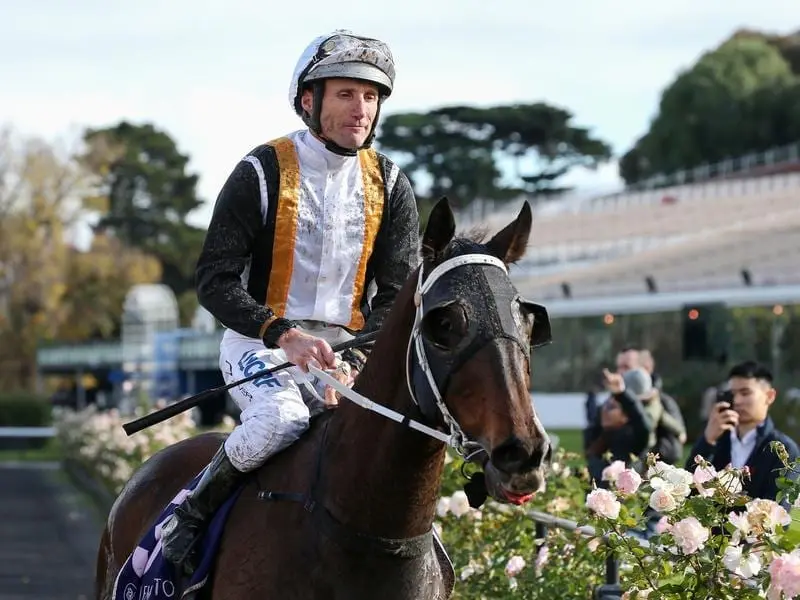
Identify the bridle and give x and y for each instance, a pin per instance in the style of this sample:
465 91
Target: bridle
455 436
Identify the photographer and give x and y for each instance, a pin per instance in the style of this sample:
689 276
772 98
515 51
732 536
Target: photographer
623 427
739 431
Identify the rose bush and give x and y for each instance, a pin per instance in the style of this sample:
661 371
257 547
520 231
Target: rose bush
498 551
95 440
711 541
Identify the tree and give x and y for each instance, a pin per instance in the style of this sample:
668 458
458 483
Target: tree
46 285
735 100
494 153
144 198
787 45
96 283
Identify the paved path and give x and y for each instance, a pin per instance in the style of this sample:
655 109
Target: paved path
48 535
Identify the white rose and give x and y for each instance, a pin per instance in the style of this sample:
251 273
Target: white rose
459 504
744 566
662 501
443 506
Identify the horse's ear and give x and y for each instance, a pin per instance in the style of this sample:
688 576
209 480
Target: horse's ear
510 244
439 230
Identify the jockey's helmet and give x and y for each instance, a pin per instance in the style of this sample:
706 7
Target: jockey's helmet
341 54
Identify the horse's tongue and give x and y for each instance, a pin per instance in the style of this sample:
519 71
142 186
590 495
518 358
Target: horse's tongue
518 499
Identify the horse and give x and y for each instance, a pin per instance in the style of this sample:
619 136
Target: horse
453 353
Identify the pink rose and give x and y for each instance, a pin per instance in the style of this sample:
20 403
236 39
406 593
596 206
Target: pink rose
628 481
663 525
514 566
690 535
604 503
703 475
612 471
784 574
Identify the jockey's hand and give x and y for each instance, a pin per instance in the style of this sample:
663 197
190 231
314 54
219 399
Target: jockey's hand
344 373
303 349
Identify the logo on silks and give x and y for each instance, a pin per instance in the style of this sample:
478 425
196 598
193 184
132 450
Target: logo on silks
159 589
130 592
250 363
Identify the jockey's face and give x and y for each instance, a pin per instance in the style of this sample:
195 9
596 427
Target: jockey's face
348 111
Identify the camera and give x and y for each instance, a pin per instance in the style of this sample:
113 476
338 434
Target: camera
725 396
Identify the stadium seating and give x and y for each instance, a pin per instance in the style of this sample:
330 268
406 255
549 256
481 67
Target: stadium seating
685 238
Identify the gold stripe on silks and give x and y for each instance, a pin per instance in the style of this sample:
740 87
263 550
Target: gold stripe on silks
373 211
280 275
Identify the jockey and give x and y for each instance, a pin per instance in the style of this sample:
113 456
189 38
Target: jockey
301 230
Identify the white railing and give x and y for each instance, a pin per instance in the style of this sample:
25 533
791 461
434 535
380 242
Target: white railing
723 188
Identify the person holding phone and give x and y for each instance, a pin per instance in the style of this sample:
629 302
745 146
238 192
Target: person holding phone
739 431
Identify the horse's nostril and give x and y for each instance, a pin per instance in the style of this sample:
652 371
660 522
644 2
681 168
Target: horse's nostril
510 456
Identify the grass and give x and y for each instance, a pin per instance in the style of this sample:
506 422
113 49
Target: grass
569 439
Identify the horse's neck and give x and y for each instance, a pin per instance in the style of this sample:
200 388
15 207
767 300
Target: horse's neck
383 477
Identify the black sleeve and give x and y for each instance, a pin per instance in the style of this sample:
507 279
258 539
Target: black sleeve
226 252
638 418
396 252
394 258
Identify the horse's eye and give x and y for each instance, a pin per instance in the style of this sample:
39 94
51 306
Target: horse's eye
446 326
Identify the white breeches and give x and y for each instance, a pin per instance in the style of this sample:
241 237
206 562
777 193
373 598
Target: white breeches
276 408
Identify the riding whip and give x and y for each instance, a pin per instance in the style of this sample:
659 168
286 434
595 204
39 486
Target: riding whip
188 403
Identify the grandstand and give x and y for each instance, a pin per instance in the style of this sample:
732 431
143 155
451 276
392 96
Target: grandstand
719 234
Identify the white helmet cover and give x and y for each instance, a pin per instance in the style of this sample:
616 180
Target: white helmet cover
343 54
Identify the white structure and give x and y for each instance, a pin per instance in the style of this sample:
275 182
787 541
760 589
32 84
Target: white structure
203 321
149 309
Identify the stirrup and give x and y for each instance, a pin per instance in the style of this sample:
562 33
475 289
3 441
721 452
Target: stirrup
185 534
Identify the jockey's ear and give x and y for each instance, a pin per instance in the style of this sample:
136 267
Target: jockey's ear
510 244
439 230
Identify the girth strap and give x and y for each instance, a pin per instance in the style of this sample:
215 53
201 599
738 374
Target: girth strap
345 537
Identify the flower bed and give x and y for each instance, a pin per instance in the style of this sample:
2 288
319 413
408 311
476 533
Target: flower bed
703 548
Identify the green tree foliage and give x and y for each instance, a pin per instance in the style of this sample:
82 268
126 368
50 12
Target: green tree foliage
48 288
145 196
741 97
495 153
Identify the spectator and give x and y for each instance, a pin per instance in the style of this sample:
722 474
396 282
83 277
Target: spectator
627 359
739 432
640 384
671 430
622 429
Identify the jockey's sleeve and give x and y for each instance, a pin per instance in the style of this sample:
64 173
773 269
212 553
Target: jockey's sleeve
396 252
235 224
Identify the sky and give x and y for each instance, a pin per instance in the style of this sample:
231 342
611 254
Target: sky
215 75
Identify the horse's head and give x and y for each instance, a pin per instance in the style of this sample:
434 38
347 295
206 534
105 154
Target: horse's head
470 354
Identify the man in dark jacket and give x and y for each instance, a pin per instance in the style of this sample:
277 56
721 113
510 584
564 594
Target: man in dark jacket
739 433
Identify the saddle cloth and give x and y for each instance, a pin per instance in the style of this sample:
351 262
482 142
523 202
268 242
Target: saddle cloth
147 575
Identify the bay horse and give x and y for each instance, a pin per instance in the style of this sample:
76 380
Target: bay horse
454 354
